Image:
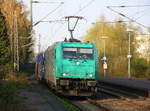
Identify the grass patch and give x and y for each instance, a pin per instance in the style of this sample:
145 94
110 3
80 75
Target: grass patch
67 105
9 88
64 101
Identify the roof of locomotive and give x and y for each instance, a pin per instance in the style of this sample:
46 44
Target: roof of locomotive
77 44
72 44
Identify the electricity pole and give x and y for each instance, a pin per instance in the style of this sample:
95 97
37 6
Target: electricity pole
129 53
16 48
104 57
31 15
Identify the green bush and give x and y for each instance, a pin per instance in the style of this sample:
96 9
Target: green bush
139 67
7 96
5 70
9 88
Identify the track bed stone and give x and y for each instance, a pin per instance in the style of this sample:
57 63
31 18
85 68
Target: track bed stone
125 104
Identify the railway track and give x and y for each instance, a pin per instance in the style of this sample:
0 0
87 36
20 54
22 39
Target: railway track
113 95
82 103
136 87
87 105
117 92
111 99
121 104
120 100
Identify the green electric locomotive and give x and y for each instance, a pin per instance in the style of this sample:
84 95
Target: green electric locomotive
71 68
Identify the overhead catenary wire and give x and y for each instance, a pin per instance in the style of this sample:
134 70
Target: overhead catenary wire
144 11
82 8
139 17
58 30
132 6
45 2
48 14
123 15
140 11
123 6
119 21
122 1
61 20
54 21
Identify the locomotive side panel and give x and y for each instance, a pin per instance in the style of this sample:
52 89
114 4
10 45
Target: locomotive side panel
49 65
39 69
58 61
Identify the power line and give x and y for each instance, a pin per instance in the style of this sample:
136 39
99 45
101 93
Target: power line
89 3
142 14
119 21
123 6
48 14
140 11
123 15
122 1
45 2
59 28
139 17
54 21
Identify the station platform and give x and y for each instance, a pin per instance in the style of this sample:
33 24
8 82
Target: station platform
133 83
126 83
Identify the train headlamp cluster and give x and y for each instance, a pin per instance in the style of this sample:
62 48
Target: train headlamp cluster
64 74
77 62
90 75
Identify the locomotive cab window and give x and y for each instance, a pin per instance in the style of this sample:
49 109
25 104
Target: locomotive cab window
86 53
83 53
69 52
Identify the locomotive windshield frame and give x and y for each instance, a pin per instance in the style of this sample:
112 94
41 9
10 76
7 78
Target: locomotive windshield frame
78 52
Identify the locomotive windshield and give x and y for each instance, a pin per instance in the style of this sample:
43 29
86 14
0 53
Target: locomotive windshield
86 53
83 53
69 52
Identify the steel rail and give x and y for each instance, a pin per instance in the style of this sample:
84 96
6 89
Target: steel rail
118 92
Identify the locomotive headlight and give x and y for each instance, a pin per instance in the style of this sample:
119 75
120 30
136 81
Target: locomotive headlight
78 63
90 75
64 74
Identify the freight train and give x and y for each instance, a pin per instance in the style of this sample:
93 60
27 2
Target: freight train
70 68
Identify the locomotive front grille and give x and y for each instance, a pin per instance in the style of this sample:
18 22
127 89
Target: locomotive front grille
64 82
79 83
91 83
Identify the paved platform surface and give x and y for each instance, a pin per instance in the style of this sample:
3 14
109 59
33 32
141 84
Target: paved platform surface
133 83
40 100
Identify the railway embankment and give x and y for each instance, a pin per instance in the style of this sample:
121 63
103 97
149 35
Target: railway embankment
10 85
22 93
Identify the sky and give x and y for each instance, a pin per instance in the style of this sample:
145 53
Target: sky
91 10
